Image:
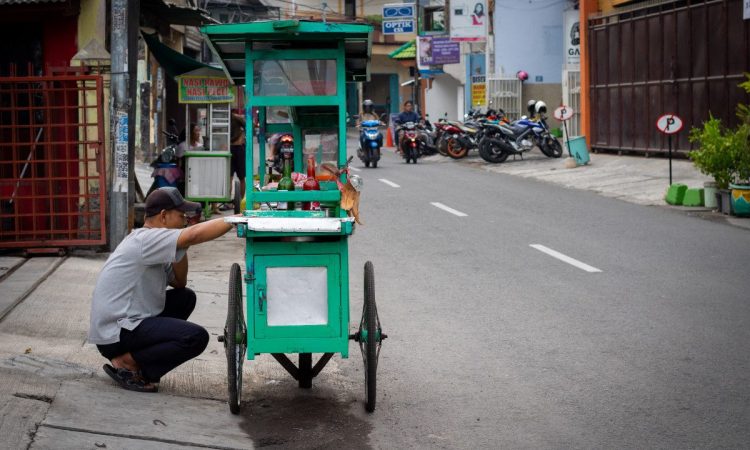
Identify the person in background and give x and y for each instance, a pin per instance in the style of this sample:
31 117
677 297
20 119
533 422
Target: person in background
195 141
237 148
185 146
407 115
138 324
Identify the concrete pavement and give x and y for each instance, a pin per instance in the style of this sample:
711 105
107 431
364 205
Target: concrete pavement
55 395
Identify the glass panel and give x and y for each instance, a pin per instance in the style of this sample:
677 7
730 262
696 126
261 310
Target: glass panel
220 142
278 114
323 144
296 77
297 296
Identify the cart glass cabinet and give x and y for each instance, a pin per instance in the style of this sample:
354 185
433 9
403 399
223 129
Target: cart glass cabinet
294 290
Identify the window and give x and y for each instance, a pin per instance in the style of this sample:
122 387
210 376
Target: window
350 8
296 77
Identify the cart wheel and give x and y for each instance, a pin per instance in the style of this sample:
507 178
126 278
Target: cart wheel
370 338
235 339
237 197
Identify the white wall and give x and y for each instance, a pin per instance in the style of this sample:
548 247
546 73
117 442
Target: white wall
529 36
442 97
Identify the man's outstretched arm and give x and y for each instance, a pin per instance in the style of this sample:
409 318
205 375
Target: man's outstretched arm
202 232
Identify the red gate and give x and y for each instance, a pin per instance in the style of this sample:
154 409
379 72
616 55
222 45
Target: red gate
681 57
52 173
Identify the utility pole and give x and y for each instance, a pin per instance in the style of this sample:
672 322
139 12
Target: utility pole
125 16
417 87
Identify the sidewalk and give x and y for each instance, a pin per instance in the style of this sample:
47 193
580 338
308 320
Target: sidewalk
634 179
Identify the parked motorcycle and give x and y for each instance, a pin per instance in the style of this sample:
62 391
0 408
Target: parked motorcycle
408 143
167 172
460 139
426 139
520 137
370 141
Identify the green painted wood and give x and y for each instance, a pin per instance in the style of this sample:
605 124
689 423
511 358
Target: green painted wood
277 127
341 90
263 330
332 338
305 30
262 250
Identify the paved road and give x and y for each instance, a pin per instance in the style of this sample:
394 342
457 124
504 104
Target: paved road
493 343
498 344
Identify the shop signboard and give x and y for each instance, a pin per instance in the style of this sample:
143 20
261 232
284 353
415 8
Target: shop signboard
435 51
205 89
478 91
397 26
572 40
468 20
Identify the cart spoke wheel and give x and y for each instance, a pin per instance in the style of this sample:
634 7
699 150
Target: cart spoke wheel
370 338
235 339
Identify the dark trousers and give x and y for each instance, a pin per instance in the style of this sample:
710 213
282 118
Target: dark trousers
159 344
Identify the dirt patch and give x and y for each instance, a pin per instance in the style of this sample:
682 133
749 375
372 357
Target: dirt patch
304 422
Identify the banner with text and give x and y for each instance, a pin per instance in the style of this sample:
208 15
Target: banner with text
199 89
468 21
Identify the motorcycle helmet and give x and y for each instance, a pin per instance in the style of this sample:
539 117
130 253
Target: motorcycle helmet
530 107
367 106
540 107
522 75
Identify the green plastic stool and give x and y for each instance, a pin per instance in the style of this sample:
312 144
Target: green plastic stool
676 194
693 197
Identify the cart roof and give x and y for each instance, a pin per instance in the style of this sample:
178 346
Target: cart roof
228 42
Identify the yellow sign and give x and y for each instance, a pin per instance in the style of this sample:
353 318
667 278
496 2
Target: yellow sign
478 93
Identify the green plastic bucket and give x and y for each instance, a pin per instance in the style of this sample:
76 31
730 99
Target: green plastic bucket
577 149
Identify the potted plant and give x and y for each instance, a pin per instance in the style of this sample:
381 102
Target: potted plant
741 185
724 154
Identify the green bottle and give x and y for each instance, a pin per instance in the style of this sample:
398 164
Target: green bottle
286 183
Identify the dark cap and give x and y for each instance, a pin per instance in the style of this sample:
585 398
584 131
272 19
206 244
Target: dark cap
168 198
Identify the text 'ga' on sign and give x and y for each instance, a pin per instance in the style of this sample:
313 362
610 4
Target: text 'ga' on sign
669 124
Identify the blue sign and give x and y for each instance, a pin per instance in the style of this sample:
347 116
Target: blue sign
398 10
398 26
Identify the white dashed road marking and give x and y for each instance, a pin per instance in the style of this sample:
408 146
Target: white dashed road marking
564 258
448 209
389 183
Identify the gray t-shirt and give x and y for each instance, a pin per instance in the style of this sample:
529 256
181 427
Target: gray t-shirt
132 284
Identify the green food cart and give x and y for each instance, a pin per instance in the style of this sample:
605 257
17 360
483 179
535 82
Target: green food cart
296 274
208 171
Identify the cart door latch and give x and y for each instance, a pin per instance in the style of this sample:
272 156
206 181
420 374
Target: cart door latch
261 298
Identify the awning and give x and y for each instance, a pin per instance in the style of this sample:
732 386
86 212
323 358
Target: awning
174 14
228 42
406 51
173 62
